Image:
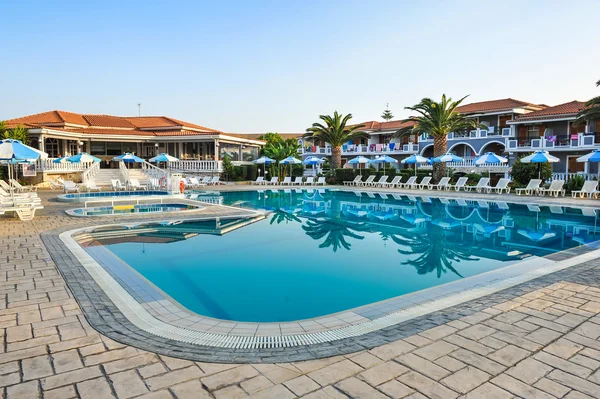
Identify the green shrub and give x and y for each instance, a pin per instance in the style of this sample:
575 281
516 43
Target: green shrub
575 183
252 172
342 175
523 172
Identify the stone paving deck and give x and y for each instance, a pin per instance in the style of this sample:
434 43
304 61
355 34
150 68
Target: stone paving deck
542 341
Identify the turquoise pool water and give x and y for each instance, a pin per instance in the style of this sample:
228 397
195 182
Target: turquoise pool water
130 209
321 252
80 197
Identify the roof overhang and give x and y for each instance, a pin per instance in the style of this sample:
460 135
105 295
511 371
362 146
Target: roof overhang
542 120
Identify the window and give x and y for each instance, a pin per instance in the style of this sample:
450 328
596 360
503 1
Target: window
73 147
533 132
98 148
113 149
51 147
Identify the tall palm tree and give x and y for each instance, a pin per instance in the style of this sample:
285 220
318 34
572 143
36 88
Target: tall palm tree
17 133
437 119
591 110
279 150
335 132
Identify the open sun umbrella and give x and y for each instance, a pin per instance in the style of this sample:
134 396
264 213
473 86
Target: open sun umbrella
384 159
490 159
128 158
540 157
83 157
359 160
264 161
415 159
164 157
312 160
61 160
447 157
593 156
14 151
290 161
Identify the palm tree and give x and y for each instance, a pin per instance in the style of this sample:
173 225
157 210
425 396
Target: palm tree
279 150
335 231
17 133
591 110
336 133
437 119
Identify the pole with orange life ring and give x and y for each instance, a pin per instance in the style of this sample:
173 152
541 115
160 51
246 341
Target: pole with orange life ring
181 186
162 182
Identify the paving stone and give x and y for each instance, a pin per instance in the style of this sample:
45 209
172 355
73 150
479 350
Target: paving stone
9 367
130 363
67 361
256 384
356 388
529 370
492 342
509 355
94 389
182 375
435 350
127 384
438 332
519 388
450 363
152 370
110 356
423 366
280 375
70 377
417 340
61 393
382 373
563 348
301 385
232 392
570 320
477 332
518 341
36 367
426 386
275 392
18 333
75 343
395 389
466 379
174 364
585 362
191 389
335 372
478 361
390 351
469 344
587 329
10 379
29 389
551 387
562 364
576 383
365 360
543 336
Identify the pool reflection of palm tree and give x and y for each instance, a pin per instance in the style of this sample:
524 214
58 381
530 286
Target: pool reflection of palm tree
284 209
334 229
436 251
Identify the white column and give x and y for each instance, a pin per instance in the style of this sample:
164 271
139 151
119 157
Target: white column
216 150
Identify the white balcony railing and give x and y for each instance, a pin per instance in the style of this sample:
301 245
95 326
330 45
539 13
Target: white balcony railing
374 149
569 176
492 132
468 164
49 166
574 141
196 166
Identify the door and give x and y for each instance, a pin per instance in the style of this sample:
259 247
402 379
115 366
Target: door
575 166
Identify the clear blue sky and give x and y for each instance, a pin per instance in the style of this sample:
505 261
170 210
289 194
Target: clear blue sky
256 66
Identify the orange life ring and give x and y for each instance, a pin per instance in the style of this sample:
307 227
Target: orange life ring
162 182
181 186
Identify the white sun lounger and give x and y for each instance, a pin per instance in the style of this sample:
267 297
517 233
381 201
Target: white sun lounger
555 189
442 185
588 189
70 186
366 182
395 181
483 185
259 180
115 183
320 181
298 181
287 181
409 183
135 185
380 182
532 187
21 188
501 186
425 182
310 181
353 182
90 185
460 183
274 180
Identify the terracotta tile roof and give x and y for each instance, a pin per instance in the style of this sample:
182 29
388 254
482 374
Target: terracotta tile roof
558 111
109 124
380 126
505 104
255 136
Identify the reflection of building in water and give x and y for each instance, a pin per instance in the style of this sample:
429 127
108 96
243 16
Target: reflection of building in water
164 232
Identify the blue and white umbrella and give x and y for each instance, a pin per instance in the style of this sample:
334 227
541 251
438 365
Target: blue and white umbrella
290 161
164 157
61 160
359 160
415 159
489 159
264 161
83 157
128 158
540 157
537 236
384 159
312 160
447 157
593 156
15 150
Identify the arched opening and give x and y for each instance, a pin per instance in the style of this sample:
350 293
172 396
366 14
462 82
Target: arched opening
463 150
493 146
427 151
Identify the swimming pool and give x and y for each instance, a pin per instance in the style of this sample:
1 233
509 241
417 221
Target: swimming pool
323 252
128 209
81 197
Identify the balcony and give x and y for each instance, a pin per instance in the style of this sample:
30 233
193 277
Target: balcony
566 142
195 166
370 149
48 166
468 164
492 132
